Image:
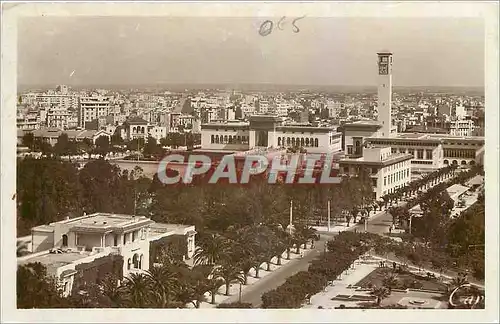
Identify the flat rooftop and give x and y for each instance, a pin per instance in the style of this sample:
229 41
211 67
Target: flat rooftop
105 220
412 135
395 157
161 228
456 190
363 123
54 260
96 222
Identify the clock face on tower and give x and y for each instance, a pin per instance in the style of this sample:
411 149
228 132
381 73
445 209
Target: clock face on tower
383 69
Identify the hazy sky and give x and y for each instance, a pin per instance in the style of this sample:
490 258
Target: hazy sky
326 51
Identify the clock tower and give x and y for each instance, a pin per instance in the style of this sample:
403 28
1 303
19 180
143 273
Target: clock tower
384 102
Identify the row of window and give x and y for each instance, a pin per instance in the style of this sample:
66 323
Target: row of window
138 129
396 166
229 139
392 190
403 143
292 141
135 262
421 162
396 177
470 154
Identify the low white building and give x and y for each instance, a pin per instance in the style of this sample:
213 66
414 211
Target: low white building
63 245
265 131
388 171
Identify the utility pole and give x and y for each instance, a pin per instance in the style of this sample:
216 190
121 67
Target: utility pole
329 215
239 298
291 216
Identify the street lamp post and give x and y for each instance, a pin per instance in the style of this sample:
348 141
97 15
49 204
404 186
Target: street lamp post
328 215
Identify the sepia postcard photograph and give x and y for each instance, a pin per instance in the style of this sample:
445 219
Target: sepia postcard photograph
249 162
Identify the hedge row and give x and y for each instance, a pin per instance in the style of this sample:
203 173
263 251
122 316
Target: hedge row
342 252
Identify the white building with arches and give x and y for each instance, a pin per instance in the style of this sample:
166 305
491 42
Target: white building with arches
268 131
63 245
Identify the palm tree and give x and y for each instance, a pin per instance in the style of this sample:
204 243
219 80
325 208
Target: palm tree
163 281
212 250
459 280
390 282
259 259
111 290
278 249
381 293
137 289
213 286
229 273
245 266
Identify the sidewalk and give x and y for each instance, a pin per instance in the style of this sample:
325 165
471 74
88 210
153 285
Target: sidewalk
340 287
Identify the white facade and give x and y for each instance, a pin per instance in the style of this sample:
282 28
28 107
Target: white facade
427 153
461 127
87 238
333 108
385 93
388 171
460 112
58 117
268 132
92 108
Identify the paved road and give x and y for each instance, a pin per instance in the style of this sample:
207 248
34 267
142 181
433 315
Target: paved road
253 294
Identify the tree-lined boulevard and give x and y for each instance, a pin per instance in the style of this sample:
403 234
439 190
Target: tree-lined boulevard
240 229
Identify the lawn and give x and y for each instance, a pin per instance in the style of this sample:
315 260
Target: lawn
405 280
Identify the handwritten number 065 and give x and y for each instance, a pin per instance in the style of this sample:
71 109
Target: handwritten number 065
267 26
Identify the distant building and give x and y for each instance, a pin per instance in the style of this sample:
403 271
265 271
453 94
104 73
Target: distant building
91 108
462 127
268 132
136 127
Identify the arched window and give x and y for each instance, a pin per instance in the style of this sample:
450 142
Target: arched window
302 142
212 139
140 261
293 141
288 140
472 162
279 141
65 240
135 261
230 139
454 162
225 139
446 162
464 162
217 139
134 130
316 142
307 141
129 264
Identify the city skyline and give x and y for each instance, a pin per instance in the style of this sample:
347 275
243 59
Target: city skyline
433 52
